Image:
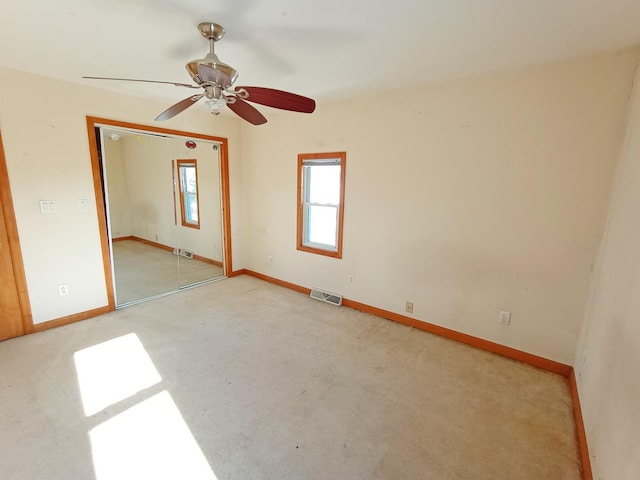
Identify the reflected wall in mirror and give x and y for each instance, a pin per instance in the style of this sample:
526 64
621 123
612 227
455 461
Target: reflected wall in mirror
163 203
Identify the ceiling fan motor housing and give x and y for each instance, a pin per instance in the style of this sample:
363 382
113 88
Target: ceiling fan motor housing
216 79
219 74
222 74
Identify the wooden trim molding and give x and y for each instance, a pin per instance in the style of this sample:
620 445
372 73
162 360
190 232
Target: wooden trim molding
58 322
14 244
167 248
226 205
76 317
242 271
183 208
96 172
585 460
300 209
92 123
277 281
508 352
210 261
151 243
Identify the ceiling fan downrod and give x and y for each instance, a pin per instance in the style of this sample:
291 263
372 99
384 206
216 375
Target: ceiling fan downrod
217 78
219 73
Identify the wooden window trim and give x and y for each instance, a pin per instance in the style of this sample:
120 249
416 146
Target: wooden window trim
183 215
300 221
96 171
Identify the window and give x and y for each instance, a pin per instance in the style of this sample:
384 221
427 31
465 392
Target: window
188 179
321 202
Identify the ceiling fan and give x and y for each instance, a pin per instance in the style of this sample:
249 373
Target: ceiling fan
217 78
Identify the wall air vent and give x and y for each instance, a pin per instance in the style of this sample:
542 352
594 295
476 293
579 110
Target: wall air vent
331 298
183 253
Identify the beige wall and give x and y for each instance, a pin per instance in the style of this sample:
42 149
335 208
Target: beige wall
148 181
45 138
466 198
119 210
608 356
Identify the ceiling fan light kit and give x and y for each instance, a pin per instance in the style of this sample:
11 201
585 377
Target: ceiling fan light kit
216 78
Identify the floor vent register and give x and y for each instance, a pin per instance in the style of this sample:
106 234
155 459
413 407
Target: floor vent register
328 297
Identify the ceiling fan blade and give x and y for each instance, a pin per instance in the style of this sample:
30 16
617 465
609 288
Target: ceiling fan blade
247 111
280 99
181 106
177 84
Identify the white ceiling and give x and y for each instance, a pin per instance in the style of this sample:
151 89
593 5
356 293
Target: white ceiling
325 49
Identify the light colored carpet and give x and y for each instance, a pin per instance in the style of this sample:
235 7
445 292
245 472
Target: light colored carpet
144 271
241 379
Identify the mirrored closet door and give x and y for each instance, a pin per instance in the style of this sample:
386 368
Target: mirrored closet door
163 200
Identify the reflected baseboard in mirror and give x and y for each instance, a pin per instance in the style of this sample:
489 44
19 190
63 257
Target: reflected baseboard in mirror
166 193
145 269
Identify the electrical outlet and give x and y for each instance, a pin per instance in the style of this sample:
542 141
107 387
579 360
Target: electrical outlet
63 290
47 206
270 258
409 307
504 318
351 277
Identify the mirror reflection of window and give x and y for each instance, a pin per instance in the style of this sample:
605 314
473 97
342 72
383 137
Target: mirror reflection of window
188 179
162 238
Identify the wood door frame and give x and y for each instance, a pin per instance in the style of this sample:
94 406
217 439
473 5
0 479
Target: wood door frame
14 244
92 123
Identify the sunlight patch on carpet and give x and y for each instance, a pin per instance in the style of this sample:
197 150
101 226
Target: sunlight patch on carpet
150 440
113 371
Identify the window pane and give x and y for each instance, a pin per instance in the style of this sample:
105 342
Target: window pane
324 184
321 178
322 225
191 203
188 178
